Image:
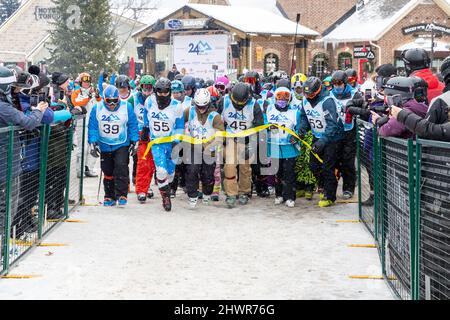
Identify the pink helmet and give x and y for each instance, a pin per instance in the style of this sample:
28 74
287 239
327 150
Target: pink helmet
222 84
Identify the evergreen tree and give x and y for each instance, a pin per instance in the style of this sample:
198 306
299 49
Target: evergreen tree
7 8
83 39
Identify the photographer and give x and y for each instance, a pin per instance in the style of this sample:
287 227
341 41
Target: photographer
436 125
401 88
9 115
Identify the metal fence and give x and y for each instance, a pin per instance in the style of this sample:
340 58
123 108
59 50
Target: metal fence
410 214
39 185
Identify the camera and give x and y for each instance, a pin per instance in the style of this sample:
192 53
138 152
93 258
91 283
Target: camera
40 96
395 100
368 95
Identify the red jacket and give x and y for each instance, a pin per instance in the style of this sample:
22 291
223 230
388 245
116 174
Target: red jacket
435 87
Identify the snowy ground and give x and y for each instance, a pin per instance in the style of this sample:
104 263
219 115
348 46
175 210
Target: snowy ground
259 251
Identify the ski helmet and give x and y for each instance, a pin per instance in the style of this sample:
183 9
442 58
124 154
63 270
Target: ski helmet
312 88
202 99
297 80
199 83
327 82
163 88
189 83
123 81
339 77
177 86
240 95
400 85
85 77
111 97
178 77
415 59
445 69
352 76
222 84
24 79
283 97
209 83
284 83
7 78
146 85
252 78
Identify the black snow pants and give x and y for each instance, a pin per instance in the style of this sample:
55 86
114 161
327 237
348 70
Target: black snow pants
286 179
116 173
347 158
200 172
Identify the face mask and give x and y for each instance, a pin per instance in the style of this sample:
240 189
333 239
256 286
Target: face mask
339 90
282 104
162 101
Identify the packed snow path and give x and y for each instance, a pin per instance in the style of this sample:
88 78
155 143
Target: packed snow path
259 251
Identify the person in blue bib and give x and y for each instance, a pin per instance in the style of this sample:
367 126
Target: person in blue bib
345 93
283 146
163 117
113 134
319 113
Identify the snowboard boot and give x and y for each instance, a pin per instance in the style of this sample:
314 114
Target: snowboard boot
142 197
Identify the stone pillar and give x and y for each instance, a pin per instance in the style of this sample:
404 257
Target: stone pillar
150 56
244 61
301 48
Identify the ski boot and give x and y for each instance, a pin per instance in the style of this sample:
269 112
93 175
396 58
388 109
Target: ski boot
206 200
166 202
193 202
123 201
150 194
300 194
278 201
142 197
325 203
309 195
290 203
108 202
215 197
243 199
231 202
347 195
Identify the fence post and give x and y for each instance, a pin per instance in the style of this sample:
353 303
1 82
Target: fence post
412 218
416 295
379 213
83 146
358 157
376 179
68 164
43 176
8 191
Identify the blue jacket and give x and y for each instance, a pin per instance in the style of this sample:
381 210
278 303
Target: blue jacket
132 132
335 128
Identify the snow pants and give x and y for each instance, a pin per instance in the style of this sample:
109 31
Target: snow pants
165 166
347 158
145 169
325 173
286 179
200 172
116 173
233 162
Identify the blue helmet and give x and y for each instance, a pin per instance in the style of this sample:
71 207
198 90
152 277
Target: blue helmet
177 86
111 96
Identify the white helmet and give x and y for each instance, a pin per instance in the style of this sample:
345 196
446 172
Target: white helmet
202 98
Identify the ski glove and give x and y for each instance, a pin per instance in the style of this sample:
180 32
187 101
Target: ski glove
318 146
132 149
294 140
145 135
95 150
302 133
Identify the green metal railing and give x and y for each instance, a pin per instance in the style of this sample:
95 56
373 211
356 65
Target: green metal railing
39 187
410 214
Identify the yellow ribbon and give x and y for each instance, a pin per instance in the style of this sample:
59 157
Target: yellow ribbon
224 134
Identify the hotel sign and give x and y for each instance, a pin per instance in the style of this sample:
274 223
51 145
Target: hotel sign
176 24
426 27
45 13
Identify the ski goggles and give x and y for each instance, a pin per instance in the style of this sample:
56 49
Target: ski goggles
311 95
238 103
220 87
146 87
352 79
85 79
337 82
111 102
250 80
327 83
283 95
163 92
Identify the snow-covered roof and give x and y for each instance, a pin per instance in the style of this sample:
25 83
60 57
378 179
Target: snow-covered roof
246 19
371 21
